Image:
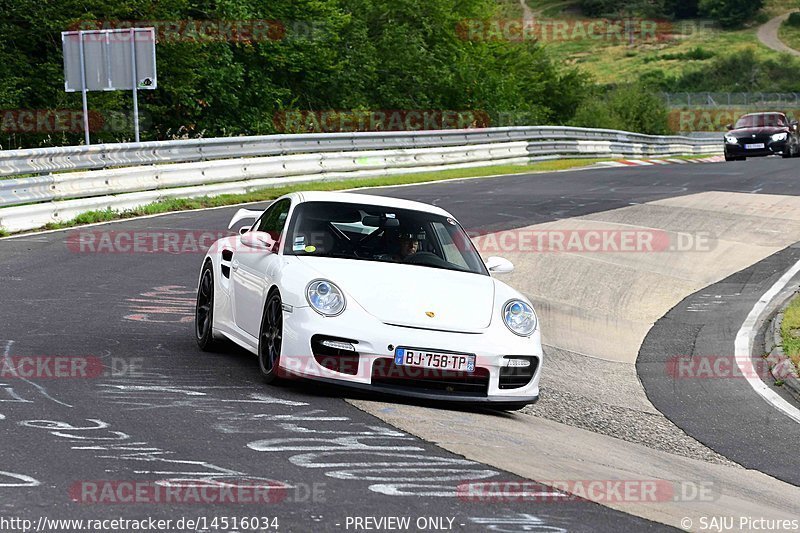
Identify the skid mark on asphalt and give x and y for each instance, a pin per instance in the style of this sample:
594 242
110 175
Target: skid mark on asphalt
164 304
11 479
114 445
9 364
340 447
514 523
706 303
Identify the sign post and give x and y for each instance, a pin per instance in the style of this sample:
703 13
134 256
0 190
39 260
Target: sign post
83 94
109 60
135 88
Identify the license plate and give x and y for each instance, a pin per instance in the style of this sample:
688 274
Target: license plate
756 146
421 358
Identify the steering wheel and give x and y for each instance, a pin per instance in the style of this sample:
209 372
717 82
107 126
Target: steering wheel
425 258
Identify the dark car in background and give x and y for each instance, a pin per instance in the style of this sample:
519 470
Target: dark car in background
762 134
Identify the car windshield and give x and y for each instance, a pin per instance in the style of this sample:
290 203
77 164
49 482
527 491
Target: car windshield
375 233
761 121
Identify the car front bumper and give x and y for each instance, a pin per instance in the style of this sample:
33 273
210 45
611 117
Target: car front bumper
770 148
375 343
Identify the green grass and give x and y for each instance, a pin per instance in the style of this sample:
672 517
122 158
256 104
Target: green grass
674 53
508 9
773 8
184 204
790 35
790 331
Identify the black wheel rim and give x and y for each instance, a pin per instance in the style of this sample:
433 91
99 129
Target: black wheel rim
271 335
205 299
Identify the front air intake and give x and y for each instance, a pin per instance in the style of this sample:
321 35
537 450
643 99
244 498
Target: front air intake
336 353
519 373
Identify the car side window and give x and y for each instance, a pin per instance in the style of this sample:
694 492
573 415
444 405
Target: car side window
273 221
449 247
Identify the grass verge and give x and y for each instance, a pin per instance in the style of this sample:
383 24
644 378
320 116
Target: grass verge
681 45
790 35
185 204
790 331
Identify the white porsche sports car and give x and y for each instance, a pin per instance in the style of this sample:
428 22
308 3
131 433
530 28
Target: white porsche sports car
370 292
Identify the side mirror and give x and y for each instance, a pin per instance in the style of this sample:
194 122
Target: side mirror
729 126
244 229
259 240
499 265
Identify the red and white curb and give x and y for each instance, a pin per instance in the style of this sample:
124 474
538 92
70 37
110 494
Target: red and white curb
651 162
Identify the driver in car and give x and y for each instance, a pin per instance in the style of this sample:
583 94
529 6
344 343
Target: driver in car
408 246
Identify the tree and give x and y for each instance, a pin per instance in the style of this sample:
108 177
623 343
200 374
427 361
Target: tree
330 55
730 13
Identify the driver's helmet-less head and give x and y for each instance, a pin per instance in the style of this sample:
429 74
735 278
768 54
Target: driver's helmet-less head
410 241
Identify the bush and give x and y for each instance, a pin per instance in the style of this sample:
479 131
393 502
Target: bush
645 8
741 71
697 53
794 19
636 107
730 13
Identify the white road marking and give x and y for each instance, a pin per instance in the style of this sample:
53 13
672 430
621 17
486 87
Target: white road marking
743 344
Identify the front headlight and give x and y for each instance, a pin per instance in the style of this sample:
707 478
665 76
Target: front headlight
780 136
325 297
730 139
519 317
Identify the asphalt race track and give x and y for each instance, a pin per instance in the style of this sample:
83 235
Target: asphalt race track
154 407
728 417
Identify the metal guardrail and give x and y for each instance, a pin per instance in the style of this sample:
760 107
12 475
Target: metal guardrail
126 175
101 156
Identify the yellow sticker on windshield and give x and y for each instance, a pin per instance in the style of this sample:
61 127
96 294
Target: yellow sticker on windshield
311 249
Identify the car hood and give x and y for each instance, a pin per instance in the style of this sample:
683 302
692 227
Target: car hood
765 130
403 295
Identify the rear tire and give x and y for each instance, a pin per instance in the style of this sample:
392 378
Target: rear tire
270 338
204 310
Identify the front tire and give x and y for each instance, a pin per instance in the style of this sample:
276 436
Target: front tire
204 310
270 337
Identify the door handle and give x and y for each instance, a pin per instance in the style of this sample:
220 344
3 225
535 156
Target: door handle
235 264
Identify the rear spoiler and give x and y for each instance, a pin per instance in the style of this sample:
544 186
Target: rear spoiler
243 214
